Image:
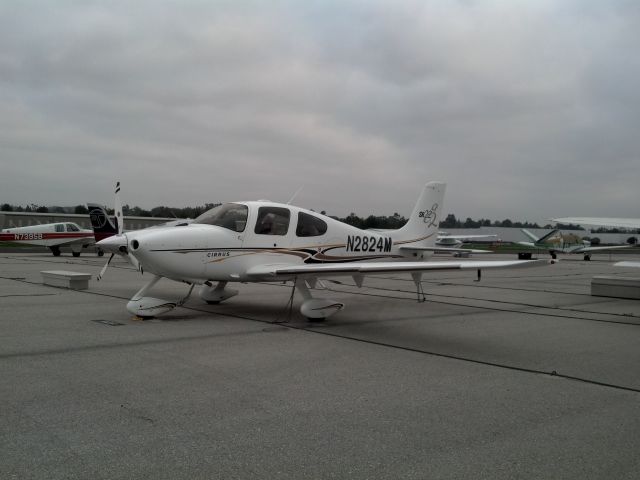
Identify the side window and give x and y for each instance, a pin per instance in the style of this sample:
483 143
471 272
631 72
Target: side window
310 226
72 228
59 228
273 221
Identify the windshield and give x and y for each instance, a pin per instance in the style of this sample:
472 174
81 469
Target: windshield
229 215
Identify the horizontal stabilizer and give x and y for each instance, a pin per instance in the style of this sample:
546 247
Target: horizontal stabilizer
537 240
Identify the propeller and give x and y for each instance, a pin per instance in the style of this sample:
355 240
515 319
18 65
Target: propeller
117 207
134 261
104 269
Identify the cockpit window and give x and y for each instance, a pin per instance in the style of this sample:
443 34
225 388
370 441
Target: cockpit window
273 221
72 227
229 215
59 227
310 226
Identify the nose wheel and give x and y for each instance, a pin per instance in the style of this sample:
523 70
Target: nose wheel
148 307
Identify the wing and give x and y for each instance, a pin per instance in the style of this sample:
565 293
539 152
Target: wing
600 221
280 271
627 264
603 249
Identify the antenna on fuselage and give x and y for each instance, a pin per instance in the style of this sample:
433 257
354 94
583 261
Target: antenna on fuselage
295 195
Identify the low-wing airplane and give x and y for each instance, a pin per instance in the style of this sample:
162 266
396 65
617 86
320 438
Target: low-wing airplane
447 240
52 235
261 241
556 243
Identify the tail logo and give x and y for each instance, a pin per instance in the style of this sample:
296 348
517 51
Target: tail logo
430 216
98 218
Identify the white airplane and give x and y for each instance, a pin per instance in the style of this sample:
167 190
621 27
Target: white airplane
52 235
556 243
446 240
262 241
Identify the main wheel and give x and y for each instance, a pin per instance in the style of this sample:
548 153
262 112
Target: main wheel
76 254
55 251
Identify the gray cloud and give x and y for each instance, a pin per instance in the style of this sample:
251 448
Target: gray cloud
527 109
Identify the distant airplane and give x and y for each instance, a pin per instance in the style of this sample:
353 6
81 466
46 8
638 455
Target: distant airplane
444 239
52 235
261 241
556 243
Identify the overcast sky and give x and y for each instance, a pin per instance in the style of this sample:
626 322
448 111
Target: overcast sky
527 109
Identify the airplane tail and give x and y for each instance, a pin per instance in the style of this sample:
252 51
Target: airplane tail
529 235
422 228
102 225
537 240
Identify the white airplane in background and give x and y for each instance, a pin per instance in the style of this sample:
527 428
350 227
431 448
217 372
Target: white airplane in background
445 238
52 235
261 241
556 243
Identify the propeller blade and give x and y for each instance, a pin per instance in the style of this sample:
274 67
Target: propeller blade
134 261
104 269
117 206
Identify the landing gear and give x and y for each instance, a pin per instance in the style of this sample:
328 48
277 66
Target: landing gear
316 309
55 250
100 253
215 295
75 254
587 257
149 307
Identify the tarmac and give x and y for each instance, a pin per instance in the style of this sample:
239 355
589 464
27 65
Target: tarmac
522 375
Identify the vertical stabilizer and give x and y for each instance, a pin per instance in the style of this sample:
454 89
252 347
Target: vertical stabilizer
102 225
422 228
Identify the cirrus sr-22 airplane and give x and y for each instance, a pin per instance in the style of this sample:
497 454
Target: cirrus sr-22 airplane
262 241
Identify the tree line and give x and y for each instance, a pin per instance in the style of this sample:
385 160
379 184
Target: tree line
372 221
